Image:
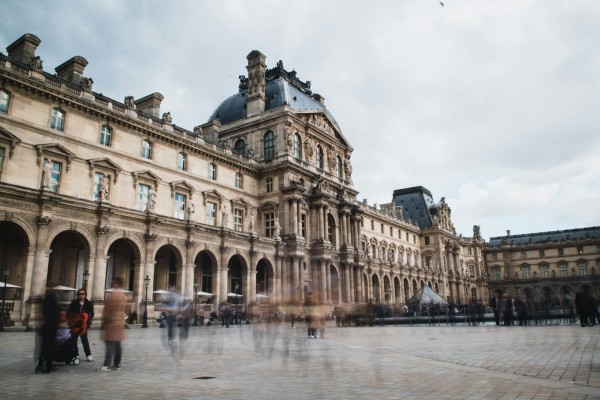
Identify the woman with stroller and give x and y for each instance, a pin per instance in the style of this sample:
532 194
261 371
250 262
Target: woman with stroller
81 305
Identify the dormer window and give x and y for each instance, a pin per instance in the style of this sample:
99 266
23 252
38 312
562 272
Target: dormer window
240 147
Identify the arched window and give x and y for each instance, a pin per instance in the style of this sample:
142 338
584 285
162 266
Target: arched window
319 157
331 230
338 166
240 147
297 146
269 146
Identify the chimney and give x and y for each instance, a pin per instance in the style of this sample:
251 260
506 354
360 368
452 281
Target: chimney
255 104
150 104
508 232
72 70
23 50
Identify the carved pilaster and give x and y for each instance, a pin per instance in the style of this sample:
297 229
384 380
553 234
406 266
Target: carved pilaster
43 221
102 230
190 243
150 237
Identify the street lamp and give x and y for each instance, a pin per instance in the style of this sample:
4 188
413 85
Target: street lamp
195 302
86 276
147 282
6 273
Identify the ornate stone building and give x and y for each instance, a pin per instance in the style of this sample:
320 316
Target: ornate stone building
258 200
545 266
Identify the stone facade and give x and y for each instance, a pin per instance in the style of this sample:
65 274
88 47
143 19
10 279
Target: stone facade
545 267
261 203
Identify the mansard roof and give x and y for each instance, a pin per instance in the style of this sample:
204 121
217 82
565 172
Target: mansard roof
415 202
546 237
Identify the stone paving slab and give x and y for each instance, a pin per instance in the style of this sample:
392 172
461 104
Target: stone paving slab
274 361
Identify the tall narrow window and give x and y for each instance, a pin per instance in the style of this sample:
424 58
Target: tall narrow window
297 146
544 271
319 157
303 225
269 184
146 150
142 196
563 270
269 224
181 162
269 146
3 101
211 213
105 135
496 273
338 166
238 220
240 147
582 269
179 206
57 120
212 171
239 182
1 158
525 269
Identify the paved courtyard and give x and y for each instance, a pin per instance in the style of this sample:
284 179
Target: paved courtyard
277 362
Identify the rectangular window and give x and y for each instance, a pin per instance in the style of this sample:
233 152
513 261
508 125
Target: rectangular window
523 254
407 239
428 261
381 228
372 225
427 241
146 150
415 239
1 157
56 172
525 270
471 271
211 213
561 252
580 250
239 183
238 220
391 231
181 161
496 274
269 224
542 253
57 120
563 270
469 251
269 184
179 206
495 256
105 135
544 271
212 171
3 101
582 269
142 197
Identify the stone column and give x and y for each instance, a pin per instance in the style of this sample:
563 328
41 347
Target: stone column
323 280
295 277
40 265
189 270
277 281
223 284
346 297
149 264
320 222
251 293
294 215
99 273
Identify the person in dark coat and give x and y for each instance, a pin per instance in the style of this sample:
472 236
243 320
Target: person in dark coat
581 310
81 305
495 304
51 318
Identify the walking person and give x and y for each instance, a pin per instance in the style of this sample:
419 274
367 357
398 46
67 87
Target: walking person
113 322
81 305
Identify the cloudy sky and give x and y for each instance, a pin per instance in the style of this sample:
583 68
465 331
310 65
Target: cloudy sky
494 105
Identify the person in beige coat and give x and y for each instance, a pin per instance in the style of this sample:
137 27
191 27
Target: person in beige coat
113 322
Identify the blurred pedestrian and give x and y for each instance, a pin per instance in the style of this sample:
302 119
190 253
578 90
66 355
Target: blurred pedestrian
113 322
51 319
81 305
200 315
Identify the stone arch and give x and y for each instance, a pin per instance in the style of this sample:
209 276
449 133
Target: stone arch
69 258
168 260
237 270
265 274
407 292
376 288
397 290
387 289
123 259
82 233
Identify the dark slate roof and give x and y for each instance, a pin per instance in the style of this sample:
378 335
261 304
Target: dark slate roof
278 92
545 237
416 202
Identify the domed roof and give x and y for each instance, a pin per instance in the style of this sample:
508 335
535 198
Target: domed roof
282 88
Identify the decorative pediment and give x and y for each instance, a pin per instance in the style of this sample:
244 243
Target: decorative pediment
241 204
268 205
54 151
10 139
104 164
182 186
212 195
145 176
